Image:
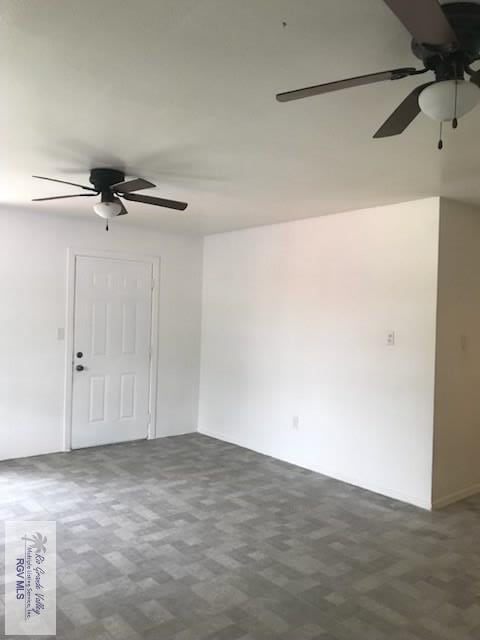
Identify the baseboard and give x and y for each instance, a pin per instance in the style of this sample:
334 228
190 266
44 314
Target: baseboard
456 497
355 482
20 456
36 454
185 432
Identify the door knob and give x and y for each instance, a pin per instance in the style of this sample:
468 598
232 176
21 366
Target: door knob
79 354
79 367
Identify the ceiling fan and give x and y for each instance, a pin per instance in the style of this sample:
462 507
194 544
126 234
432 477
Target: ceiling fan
110 185
446 38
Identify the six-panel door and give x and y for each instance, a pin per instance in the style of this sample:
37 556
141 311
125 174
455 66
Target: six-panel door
112 332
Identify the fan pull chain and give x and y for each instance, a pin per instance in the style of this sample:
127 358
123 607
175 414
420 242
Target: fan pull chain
455 120
106 226
440 142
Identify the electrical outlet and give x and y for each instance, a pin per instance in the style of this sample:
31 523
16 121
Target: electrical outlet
296 423
391 339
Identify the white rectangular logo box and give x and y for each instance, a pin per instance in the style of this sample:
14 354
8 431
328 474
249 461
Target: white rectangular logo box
30 578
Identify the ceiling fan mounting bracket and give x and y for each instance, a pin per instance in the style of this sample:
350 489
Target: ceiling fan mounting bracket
102 179
465 20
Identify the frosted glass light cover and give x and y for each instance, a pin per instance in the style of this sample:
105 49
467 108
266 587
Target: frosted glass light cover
108 209
438 100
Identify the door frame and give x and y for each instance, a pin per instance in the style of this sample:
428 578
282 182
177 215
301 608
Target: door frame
154 261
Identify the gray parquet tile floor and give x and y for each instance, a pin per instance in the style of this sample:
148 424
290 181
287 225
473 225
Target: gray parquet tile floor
190 538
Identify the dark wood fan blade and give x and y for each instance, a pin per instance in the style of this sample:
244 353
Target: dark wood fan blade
132 185
75 195
425 20
72 184
123 212
475 78
403 115
159 202
307 92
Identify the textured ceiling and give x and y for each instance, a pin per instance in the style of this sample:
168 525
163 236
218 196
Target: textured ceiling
182 92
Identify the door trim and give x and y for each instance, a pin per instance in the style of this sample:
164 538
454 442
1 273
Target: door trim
72 255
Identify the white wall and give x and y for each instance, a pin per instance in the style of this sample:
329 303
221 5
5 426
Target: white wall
457 397
295 320
33 304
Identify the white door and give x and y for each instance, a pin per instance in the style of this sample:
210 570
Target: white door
111 359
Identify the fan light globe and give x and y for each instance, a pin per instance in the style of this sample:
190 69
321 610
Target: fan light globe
108 209
438 100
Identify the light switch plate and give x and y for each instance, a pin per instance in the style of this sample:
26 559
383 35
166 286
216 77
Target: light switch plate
60 333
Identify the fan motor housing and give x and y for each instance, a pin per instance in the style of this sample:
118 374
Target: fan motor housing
465 20
103 179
